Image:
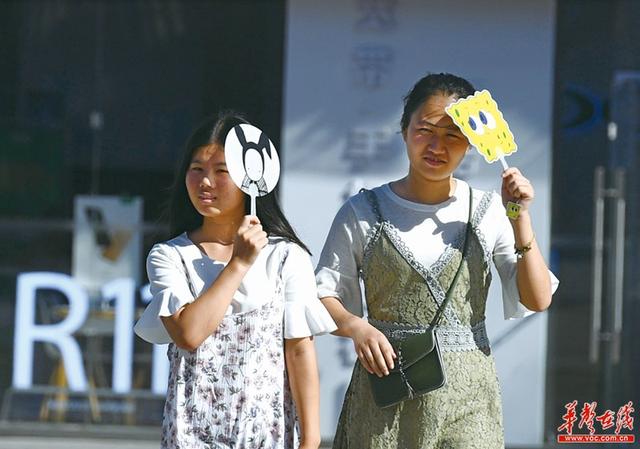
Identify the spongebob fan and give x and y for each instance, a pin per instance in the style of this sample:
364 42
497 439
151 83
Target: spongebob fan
480 120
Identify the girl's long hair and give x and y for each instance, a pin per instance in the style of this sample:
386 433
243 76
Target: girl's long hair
183 216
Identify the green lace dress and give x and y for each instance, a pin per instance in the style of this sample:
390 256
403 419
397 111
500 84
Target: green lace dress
402 296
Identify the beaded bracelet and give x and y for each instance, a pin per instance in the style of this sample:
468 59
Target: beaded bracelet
523 249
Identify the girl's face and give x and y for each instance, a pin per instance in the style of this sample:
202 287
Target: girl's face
435 145
211 190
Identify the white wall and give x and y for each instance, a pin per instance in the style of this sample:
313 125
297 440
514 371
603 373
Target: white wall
348 64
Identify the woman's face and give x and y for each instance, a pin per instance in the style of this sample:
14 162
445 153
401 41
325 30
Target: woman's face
435 145
211 190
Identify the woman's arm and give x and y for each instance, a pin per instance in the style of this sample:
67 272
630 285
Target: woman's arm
372 347
532 272
533 280
195 321
302 369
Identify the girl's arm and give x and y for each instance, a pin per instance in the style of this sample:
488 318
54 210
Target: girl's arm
195 321
302 369
533 280
372 347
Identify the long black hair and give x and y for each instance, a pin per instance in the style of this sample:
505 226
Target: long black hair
181 213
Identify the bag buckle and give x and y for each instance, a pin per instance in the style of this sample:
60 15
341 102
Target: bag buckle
403 375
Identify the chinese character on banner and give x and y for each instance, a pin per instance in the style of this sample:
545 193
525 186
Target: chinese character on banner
569 418
625 420
606 419
587 416
372 65
376 15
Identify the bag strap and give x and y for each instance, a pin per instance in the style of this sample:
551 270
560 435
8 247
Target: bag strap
440 312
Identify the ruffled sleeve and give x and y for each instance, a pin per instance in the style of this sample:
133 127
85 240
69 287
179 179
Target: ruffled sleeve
304 314
505 261
337 270
169 289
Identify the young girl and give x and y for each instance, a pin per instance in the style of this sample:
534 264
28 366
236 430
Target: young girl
404 240
235 297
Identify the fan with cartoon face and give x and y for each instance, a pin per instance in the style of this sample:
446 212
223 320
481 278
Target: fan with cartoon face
480 120
252 161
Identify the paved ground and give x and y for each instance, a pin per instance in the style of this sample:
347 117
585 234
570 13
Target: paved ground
9 442
61 436
17 435
23 442
67 436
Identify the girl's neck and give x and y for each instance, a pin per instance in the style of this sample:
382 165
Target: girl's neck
420 190
218 230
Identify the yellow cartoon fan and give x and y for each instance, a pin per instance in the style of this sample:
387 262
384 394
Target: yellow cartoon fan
480 120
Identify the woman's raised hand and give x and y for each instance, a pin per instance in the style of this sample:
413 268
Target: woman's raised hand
249 241
372 347
516 188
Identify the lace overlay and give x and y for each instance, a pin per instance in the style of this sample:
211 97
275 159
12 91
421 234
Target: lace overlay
402 298
464 414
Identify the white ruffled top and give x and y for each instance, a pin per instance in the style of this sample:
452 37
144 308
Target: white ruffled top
304 314
427 230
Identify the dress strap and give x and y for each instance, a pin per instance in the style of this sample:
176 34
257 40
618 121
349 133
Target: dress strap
373 201
186 274
478 216
481 209
280 281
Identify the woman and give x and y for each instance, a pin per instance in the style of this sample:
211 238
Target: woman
404 240
226 291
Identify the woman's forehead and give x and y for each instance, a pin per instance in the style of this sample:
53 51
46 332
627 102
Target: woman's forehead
437 120
213 152
435 104
432 110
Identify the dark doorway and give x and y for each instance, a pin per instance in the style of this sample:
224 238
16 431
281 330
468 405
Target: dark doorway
593 333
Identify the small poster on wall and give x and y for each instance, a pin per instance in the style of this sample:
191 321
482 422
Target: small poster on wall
107 240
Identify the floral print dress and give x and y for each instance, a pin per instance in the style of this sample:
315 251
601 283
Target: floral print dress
232 391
